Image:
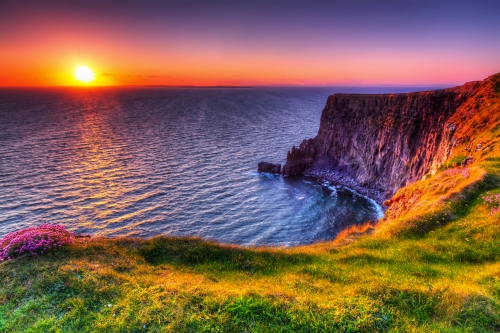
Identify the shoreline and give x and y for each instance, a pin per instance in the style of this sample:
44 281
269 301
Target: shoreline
337 178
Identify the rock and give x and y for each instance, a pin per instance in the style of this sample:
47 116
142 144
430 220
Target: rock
269 167
297 162
467 161
386 141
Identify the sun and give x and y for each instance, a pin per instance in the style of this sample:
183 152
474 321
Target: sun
84 74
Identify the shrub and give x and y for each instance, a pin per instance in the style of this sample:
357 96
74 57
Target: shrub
452 163
34 240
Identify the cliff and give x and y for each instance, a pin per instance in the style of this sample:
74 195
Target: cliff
387 141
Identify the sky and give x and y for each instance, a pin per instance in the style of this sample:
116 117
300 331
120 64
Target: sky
253 42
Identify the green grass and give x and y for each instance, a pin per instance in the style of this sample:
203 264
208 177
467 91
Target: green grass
446 279
453 162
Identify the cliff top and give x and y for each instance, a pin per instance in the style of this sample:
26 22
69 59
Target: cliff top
465 86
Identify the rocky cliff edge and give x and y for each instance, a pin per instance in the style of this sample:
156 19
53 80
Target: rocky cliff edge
386 141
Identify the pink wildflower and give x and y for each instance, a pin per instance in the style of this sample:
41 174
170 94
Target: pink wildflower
492 201
34 240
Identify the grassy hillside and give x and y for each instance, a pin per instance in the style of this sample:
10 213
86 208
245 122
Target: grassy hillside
431 265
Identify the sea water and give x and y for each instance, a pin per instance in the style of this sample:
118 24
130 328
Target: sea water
168 161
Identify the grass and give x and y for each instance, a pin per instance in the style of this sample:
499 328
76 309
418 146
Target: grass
496 82
453 162
432 265
443 279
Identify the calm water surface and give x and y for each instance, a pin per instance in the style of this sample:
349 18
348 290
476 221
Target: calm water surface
149 161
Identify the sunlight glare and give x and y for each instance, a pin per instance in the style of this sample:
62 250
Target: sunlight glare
84 74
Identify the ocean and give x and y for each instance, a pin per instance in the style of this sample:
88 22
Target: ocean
140 162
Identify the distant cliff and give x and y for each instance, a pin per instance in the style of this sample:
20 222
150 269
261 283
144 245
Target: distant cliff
387 141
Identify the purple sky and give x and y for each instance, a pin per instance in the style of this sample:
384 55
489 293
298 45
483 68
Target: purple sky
252 42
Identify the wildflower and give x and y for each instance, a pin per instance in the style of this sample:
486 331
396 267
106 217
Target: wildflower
492 201
34 240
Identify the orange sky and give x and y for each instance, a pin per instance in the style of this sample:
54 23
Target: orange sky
238 46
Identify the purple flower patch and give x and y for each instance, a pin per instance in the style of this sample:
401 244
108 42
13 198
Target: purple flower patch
492 201
34 240
457 171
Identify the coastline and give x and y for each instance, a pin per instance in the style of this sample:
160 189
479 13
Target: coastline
337 178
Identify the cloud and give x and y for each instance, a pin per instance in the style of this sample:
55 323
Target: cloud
153 76
106 74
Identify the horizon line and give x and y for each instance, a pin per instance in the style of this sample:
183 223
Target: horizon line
242 86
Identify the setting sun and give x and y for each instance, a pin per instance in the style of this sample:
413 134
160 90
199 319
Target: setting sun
84 74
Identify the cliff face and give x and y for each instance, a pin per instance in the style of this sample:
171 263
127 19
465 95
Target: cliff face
384 141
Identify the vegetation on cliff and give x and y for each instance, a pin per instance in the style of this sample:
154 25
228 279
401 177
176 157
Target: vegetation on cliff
431 265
